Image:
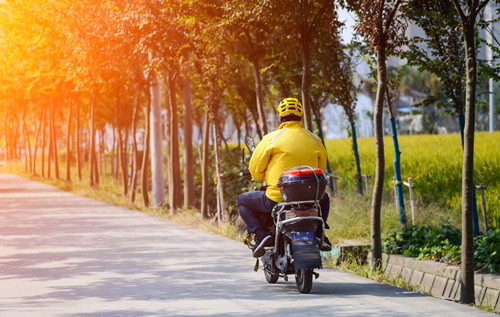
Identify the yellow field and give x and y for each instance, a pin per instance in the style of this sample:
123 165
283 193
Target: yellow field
434 162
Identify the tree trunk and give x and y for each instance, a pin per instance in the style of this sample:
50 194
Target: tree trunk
115 168
306 85
174 164
23 141
78 141
475 217
51 148
157 172
467 268
188 145
145 156
121 153
17 137
238 129
96 159
135 155
92 156
376 240
112 153
28 146
37 138
68 143
256 120
467 289
44 137
54 141
126 162
259 96
100 152
204 168
221 216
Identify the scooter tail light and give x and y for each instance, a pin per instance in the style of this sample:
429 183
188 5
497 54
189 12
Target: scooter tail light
303 172
301 213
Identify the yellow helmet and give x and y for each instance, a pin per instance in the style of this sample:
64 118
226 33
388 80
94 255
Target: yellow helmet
290 106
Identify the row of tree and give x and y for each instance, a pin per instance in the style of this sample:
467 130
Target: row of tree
70 68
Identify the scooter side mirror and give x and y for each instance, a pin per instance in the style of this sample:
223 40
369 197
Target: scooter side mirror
250 143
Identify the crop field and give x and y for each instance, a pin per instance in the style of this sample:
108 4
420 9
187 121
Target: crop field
434 162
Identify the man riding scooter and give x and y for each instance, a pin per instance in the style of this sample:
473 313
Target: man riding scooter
290 145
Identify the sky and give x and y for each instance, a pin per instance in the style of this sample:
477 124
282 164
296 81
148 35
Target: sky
348 19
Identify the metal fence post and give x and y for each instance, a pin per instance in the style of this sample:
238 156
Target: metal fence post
412 201
483 204
367 184
335 185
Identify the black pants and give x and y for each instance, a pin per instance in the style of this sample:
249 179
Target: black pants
255 209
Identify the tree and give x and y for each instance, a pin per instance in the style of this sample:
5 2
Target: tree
188 144
175 191
94 177
207 38
379 26
68 144
444 56
166 37
468 15
145 154
157 175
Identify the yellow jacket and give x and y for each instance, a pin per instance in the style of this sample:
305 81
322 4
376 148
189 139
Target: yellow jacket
288 146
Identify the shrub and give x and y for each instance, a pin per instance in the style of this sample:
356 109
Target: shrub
424 242
487 251
444 244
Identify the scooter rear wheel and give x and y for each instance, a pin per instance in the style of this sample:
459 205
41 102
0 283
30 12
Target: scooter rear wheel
304 280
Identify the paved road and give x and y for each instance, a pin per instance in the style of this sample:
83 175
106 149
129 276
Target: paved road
64 255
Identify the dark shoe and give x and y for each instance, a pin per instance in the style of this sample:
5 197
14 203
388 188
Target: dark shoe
260 246
327 246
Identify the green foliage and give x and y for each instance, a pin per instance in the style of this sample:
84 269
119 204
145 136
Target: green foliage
234 184
443 244
440 51
231 166
487 251
425 242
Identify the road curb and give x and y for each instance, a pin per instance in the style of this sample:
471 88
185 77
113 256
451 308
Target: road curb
442 280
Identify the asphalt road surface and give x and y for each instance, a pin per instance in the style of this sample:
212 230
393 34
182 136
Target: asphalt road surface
65 255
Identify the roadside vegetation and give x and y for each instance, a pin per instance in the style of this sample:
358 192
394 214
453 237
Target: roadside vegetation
434 162
443 244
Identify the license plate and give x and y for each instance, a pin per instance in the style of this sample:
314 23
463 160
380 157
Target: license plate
303 235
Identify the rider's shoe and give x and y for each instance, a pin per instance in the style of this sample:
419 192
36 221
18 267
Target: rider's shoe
326 246
262 241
